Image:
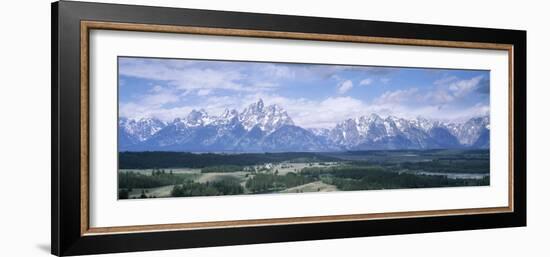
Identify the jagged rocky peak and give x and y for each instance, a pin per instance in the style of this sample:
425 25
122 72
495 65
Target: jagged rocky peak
323 132
275 109
345 133
469 131
229 114
257 107
392 118
260 127
228 117
141 129
267 118
363 122
197 118
179 122
197 115
481 120
373 117
423 123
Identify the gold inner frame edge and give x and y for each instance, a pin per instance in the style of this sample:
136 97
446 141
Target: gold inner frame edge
86 26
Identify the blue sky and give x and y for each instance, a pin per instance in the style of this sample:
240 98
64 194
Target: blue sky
314 95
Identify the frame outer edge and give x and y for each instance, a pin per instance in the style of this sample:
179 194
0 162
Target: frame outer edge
67 154
520 119
55 129
66 227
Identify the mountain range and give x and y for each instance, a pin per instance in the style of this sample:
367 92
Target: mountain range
260 128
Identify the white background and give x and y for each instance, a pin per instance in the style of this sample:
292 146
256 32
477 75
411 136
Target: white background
25 128
106 211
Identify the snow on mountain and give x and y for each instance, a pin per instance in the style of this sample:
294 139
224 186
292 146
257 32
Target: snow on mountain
198 118
290 138
468 132
374 132
141 129
227 117
320 132
268 118
260 128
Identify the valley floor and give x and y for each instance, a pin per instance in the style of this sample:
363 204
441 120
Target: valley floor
303 173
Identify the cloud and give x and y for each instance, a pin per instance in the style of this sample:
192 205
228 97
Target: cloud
306 112
207 79
157 88
278 71
158 96
399 96
174 88
345 86
462 88
439 97
484 86
195 75
451 89
365 82
151 104
445 80
159 99
203 92
136 111
449 114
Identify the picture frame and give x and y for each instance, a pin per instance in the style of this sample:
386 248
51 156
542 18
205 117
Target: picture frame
72 23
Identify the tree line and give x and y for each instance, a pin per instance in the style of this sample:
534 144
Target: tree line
150 160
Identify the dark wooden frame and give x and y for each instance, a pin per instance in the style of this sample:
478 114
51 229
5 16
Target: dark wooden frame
71 22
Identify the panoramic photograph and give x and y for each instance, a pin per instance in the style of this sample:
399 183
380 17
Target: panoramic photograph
189 127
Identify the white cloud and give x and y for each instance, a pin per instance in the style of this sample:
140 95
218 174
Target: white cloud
185 76
464 87
159 99
450 89
205 87
278 71
345 86
151 104
203 92
365 82
157 88
208 79
322 113
265 85
158 96
445 80
399 96
136 111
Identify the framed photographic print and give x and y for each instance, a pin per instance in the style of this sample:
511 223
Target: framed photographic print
178 128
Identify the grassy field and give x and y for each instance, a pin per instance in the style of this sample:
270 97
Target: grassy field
302 173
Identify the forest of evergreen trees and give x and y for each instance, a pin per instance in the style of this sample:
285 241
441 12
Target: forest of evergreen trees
150 160
372 170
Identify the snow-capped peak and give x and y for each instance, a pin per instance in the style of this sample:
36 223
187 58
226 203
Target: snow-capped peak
227 117
469 131
323 132
260 125
424 124
142 128
373 117
267 118
256 107
228 114
197 118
